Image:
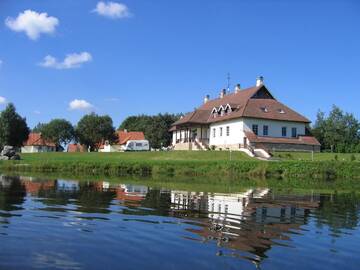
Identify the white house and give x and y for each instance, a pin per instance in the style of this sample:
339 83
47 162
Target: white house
248 120
36 144
123 136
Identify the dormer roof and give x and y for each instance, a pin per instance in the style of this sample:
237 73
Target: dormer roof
245 103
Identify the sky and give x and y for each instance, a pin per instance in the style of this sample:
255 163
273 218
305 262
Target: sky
63 59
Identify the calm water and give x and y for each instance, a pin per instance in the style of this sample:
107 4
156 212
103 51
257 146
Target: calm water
63 224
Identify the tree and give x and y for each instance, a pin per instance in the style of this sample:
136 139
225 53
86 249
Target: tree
156 127
13 128
337 132
93 129
38 127
59 131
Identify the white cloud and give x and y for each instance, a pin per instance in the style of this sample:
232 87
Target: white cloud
32 23
80 104
112 10
74 60
3 100
36 112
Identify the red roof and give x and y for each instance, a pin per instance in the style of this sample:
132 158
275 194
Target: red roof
303 140
124 136
72 148
253 102
35 139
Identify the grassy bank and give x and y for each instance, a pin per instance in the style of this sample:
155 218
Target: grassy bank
180 164
317 156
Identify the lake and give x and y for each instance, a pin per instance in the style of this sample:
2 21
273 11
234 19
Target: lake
70 224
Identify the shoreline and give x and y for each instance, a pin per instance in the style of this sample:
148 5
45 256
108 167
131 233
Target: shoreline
226 170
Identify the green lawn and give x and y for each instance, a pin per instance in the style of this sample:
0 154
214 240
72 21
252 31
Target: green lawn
317 156
138 156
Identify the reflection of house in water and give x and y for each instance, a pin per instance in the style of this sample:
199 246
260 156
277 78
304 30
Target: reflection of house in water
251 221
33 185
67 185
131 193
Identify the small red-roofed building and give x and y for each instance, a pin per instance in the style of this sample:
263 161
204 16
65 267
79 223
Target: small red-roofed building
36 144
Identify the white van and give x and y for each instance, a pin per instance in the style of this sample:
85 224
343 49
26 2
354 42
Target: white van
137 145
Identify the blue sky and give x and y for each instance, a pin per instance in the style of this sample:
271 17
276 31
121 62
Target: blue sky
164 56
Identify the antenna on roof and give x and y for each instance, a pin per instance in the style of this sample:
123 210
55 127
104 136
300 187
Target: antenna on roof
228 80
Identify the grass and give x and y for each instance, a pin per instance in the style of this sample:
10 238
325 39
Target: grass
183 164
137 156
317 156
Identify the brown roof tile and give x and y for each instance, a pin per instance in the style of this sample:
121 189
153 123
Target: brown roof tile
303 140
243 105
35 139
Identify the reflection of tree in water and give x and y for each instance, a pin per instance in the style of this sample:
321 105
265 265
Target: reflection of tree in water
339 211
92 198
12 193
157 200
54 196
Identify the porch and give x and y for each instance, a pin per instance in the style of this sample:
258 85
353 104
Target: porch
191 138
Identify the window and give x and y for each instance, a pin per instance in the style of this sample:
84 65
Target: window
294 132
227 131
255 129
138 144
266 130
221 132
214 132
284 131
281 111
264 109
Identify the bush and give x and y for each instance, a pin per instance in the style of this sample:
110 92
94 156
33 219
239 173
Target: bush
336 158
352 157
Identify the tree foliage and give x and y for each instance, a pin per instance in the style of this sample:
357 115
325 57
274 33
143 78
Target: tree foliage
59 131
156 127
13 128
93 129
337 132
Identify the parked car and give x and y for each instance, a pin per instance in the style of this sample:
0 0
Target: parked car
137 145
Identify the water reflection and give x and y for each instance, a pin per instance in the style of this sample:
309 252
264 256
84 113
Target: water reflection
245 225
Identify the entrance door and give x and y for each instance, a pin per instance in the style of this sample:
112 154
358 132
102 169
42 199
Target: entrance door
245 142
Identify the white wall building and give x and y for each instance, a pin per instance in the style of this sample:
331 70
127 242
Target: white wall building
245 119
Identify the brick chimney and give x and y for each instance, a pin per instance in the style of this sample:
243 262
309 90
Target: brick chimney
222 93
237 88
259 80
206 99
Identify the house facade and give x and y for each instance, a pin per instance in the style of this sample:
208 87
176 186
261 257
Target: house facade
36 144
248 120
123 136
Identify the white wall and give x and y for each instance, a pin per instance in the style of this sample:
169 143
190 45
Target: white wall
236 132
275 127
37 149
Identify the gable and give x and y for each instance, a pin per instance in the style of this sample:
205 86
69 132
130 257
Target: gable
263 93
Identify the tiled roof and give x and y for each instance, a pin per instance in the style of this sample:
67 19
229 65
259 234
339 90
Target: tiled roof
124 136
35 139
303 140
72 148
243 105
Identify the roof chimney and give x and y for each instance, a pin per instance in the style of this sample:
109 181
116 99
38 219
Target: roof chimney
206 99
237 88
125 130
222 93
259 80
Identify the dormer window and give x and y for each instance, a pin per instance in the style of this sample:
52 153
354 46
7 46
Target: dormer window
264 109
228 109
281 111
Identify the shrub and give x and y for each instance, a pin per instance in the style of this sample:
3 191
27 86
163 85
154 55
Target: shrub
352 157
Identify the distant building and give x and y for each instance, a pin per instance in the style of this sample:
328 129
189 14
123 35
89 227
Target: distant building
123 136
249 120
75 147
36 144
